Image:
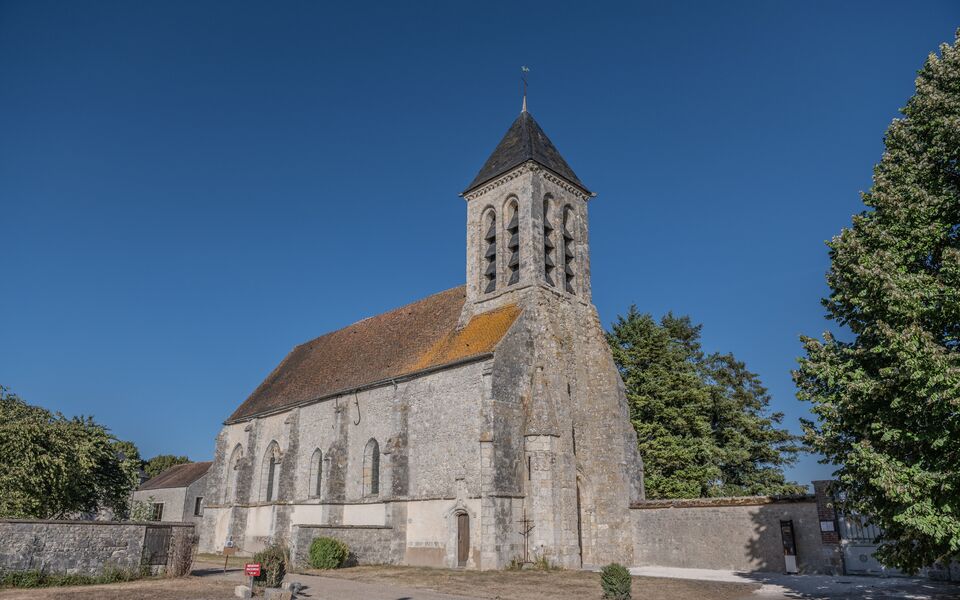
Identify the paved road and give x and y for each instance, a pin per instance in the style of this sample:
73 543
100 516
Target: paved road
817 587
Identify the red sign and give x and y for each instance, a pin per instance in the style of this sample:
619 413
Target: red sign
252 569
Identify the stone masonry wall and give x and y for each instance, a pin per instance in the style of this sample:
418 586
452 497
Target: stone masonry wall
734 533
369 545
86 547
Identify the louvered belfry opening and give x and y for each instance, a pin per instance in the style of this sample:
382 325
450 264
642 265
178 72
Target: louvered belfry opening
549 263
489 283
513 244
568 251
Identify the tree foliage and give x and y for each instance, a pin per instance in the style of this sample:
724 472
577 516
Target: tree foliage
56 466
160 463
702 421
887 403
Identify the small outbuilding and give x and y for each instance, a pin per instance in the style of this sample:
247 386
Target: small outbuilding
177 493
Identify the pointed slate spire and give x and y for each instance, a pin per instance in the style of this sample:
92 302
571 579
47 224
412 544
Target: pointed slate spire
524 141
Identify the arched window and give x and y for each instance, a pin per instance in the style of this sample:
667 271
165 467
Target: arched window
489 262
549 261
569 250
270 474
371 468
513 243
316 473
233 472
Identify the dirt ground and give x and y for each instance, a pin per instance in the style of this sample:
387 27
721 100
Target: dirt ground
536 585
194 588
492 585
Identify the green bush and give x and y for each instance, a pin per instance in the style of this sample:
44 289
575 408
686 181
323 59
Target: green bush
327 553
36 579
616 581
273 565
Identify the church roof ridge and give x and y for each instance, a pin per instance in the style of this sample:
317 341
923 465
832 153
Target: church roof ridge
177 476
525 140
418 337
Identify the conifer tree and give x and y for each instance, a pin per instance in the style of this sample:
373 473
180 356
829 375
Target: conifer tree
702 422
886 390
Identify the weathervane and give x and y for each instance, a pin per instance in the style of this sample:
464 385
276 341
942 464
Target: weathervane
523 77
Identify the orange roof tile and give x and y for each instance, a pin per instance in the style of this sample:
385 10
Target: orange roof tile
413 338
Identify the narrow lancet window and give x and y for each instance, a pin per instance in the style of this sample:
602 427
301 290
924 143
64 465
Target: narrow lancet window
371 469
489 279
569 251
233 473
513 244
549 262
269 476
316 473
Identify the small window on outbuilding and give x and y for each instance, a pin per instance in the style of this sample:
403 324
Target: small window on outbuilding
157 514
198 507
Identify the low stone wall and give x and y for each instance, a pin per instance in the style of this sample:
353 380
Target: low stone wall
741 534
86 547
369 544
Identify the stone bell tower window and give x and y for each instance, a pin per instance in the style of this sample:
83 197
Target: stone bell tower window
489 279
513 243
549 249
569 260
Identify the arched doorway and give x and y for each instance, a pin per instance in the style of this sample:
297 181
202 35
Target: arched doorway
463 539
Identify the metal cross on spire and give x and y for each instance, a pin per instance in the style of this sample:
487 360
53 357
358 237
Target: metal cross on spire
523 77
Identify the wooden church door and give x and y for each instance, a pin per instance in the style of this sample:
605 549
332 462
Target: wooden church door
463 539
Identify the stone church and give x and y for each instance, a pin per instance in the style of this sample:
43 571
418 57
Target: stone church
478 426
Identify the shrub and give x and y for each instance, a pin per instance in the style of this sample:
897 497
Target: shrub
22 579
273 565
327 553
36 578
616 581
542 563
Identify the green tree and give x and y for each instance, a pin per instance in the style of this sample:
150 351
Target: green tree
160 463
56 466
887 396
702 422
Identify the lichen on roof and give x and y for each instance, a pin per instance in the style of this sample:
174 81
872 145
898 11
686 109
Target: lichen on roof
480 335
422 335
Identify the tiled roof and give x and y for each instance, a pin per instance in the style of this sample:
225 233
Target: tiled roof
416 337
177 476
524 141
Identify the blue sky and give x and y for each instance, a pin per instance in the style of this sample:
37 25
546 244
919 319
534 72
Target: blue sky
189 189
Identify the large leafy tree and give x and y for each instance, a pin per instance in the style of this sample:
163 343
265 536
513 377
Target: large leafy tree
887 395
56 466
702 421
160 463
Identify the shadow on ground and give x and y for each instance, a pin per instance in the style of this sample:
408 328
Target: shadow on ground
823 587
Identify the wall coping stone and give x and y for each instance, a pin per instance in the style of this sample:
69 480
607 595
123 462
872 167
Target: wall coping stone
79 522
303 525
725 501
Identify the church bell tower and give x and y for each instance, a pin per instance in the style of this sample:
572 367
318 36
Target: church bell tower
557 437
526 220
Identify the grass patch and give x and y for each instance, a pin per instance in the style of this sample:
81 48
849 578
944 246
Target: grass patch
40 579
